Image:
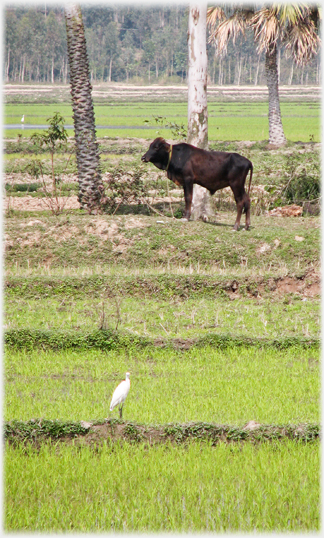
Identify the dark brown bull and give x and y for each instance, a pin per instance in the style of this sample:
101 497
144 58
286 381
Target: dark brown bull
214 170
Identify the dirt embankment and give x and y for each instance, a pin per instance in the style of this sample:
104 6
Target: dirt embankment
88 433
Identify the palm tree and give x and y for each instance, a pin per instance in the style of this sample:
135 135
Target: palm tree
91 190
293 25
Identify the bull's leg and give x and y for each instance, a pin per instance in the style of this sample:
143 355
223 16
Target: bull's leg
188 189
242 200
239 206
239 194
247 203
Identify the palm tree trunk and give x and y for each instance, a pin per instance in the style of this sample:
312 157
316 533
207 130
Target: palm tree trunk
276 133
87 154
197 97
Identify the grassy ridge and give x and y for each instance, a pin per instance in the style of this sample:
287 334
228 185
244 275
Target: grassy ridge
143 242
105 339
39 430
163 488
165 285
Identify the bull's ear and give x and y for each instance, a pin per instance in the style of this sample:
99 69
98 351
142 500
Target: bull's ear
165 144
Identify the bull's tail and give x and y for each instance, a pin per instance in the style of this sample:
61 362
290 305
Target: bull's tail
251 172
246 199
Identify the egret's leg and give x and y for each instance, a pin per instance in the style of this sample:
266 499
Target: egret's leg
121 411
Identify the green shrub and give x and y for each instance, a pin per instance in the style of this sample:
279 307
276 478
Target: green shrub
125 187
304 177
23 187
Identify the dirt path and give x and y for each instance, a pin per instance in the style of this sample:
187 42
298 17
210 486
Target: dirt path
123 92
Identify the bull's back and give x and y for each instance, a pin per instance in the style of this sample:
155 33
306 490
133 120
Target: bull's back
208 166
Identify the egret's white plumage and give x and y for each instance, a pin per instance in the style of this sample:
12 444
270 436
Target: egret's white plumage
120 394
23 118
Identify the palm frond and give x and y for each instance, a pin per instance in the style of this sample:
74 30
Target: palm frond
215 14
267 29
290 13
229 28
302 41
316 15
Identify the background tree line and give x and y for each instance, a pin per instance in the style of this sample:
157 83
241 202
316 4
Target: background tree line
130 44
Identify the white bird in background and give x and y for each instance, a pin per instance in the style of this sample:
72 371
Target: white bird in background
120 394
23 118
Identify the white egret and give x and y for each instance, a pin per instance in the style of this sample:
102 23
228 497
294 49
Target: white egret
23 118
120 394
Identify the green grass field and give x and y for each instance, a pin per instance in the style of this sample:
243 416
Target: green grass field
216 328
227 121
198 488
226 387
176 317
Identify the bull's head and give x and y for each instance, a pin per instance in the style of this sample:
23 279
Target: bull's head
158 153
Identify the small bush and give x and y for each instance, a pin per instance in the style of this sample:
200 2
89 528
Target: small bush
125 187
23 187
304 177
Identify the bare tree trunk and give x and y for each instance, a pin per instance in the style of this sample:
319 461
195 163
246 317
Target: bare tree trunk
110 67
8 66
214 68
239 70
291 74
257 72
197 97
23 69
276 132
65 72
220 72
91 189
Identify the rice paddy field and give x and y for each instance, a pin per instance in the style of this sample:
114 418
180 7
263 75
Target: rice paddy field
219 331
226 121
